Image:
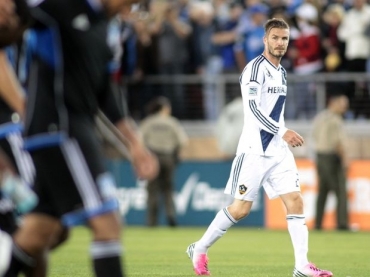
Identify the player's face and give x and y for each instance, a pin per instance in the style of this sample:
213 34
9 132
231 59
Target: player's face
276 42
343 104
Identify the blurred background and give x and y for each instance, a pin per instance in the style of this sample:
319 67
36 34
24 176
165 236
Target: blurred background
193 51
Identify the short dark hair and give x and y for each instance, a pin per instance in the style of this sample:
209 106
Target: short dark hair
275 23
157 104
335 96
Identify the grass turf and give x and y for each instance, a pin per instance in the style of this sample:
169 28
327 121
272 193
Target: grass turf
159 252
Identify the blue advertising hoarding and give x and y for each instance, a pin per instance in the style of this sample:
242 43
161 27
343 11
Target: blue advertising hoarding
198 196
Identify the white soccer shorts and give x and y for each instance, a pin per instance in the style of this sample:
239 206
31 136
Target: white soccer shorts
277 174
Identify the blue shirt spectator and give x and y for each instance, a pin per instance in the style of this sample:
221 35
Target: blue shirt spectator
251 44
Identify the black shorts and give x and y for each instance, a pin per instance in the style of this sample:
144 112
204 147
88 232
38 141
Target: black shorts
71 178
11 142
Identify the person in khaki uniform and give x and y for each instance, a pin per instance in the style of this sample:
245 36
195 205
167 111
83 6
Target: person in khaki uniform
164 136
331 159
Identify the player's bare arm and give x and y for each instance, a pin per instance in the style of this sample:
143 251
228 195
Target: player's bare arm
10 89
144 162
293 138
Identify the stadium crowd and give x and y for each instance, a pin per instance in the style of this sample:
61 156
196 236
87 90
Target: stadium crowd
220 36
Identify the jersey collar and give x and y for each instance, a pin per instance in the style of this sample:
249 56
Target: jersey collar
277 68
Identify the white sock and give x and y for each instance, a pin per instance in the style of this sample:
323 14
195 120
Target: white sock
218 227
299 235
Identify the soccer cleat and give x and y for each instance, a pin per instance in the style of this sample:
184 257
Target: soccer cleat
311 270
200 261
5 252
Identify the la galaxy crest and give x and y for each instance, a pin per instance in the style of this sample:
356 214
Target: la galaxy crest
242 189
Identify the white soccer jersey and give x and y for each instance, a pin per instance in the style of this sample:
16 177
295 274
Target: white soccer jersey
264 89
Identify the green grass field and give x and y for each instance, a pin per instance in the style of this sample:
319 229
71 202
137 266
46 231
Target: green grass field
241 252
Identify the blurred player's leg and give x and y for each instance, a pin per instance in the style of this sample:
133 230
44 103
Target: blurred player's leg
31 241
106 249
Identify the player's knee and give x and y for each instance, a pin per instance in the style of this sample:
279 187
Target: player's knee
104 234
243 213
106 227
34 238
240 209
294 203
60 238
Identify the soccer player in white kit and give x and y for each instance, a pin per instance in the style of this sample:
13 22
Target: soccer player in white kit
263 157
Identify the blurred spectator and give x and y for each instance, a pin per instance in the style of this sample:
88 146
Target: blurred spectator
230 125
318 4
245 18
184 10
201 14
122 40
251 41
357 45
277 7
116 40
292 6
208 61
171 33
139 91
305 52
225 36
333 49
331 159
346 4
163 134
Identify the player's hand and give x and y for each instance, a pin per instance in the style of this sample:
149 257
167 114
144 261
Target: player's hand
293 138
144 162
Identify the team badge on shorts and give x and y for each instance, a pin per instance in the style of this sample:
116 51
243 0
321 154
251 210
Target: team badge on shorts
242 189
